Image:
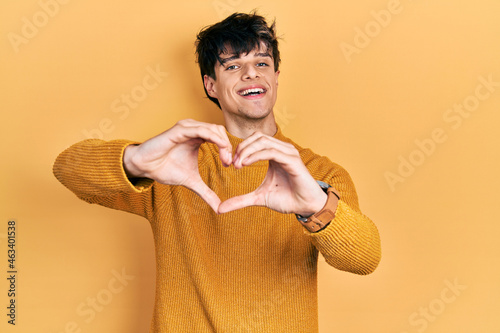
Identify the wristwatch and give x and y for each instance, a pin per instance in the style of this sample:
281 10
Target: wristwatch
321 219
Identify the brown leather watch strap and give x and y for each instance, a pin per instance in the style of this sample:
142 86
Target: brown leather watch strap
322 218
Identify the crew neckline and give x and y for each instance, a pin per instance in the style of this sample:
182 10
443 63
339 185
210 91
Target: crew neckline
235 141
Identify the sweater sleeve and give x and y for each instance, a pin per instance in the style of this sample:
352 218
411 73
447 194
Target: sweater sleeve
351 241
93 170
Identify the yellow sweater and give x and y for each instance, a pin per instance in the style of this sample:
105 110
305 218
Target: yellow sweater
251 270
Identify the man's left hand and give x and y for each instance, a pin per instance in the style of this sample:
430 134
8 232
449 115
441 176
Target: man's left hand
288 186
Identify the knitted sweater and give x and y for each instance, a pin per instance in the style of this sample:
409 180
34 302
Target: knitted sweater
250 270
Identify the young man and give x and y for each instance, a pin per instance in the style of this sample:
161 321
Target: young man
239 213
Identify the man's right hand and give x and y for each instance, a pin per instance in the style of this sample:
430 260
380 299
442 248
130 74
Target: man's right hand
171 157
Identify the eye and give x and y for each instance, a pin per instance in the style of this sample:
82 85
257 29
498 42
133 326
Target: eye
231 67
262 64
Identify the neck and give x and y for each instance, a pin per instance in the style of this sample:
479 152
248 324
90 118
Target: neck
244 127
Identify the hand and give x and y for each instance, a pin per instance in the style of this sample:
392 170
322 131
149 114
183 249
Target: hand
171 157
288 186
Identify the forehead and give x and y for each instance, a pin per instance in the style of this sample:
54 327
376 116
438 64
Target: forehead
230 53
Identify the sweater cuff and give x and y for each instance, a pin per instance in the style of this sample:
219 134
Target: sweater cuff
93 167
340 222
350 242
137 184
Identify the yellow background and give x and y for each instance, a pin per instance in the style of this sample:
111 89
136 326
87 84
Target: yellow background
366 109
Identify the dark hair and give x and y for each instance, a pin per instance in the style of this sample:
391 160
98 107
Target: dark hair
240 34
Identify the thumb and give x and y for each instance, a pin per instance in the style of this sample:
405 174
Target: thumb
204 192
238 202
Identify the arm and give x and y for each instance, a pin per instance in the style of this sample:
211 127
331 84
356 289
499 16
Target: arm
93 170
350 242
109 173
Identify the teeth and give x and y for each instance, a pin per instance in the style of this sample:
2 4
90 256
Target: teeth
253 90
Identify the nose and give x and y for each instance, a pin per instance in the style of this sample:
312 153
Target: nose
250 72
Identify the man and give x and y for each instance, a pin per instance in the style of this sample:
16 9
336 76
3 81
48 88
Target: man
240 255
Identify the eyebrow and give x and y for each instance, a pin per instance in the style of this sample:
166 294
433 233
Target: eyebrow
235 56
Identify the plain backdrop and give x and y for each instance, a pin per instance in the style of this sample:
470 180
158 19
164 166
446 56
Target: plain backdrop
404 94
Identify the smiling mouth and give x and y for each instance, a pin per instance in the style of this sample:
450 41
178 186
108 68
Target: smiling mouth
252 92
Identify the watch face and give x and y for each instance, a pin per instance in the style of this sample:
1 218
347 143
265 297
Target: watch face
323 185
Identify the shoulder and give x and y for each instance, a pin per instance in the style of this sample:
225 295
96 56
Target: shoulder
319 166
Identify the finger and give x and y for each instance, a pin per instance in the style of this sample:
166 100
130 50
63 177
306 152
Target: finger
249 140
241 201
258 143
225 154
207 132
289 162
241 147
261 138
216 134
246 143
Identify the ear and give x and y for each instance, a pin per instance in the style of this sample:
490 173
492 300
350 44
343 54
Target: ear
210 86
276 74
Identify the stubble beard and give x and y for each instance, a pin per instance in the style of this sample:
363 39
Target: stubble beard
250 115
251 120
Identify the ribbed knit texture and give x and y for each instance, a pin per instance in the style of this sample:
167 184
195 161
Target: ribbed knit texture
251 270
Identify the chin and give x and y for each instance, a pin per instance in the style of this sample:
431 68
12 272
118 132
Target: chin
255 114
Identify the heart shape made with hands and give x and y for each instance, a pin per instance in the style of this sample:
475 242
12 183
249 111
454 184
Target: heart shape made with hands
172 158
287 187
251 198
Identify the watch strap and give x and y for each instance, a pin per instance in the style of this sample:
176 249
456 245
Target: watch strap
321 219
